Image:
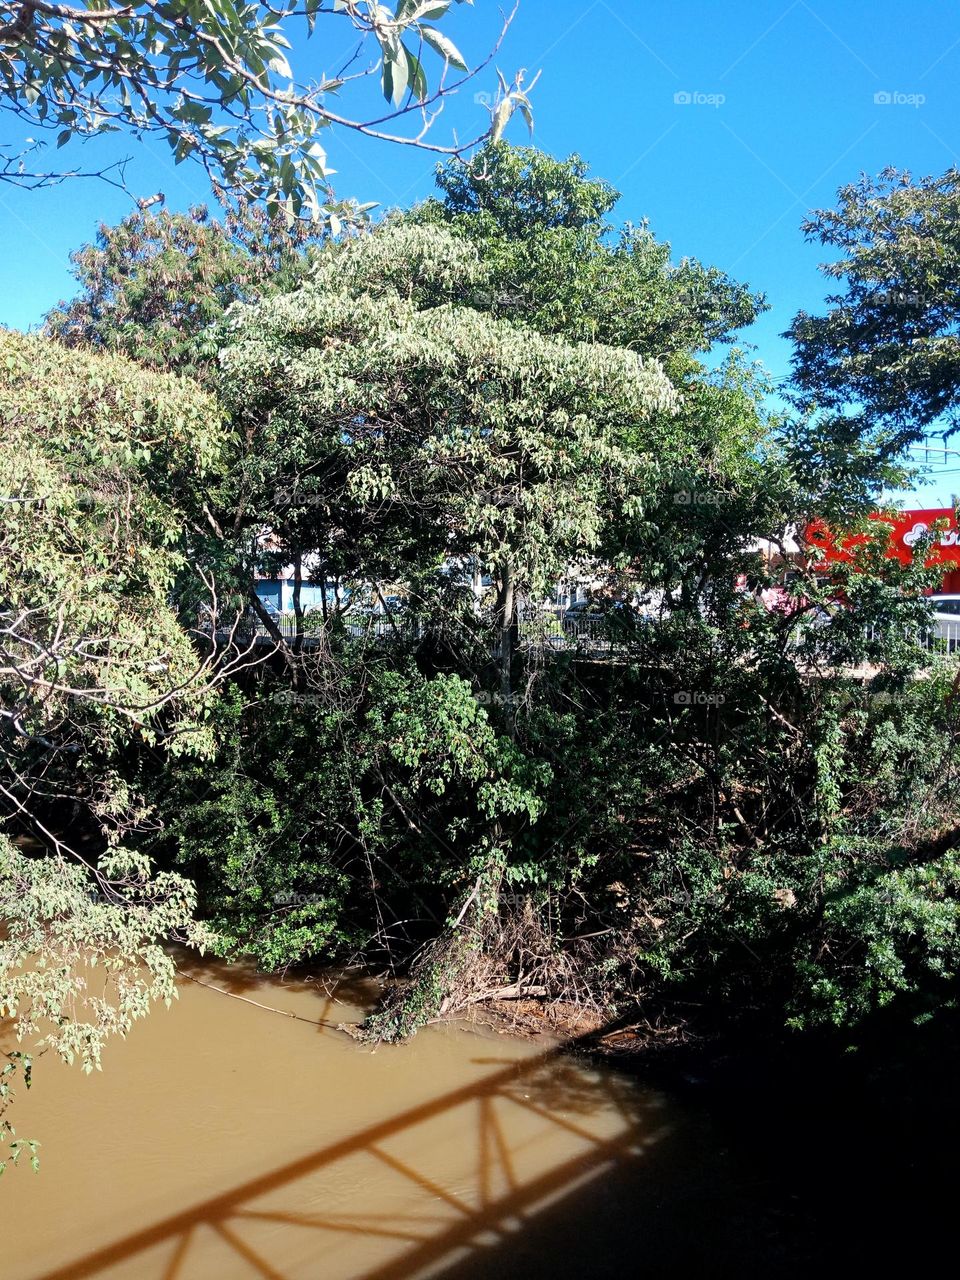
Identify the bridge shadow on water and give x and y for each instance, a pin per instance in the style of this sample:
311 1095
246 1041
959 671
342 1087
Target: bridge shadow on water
549 1167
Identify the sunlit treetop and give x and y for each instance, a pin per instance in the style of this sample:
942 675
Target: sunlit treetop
887 348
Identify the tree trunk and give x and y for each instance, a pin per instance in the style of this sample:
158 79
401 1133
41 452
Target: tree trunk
297 606
508 643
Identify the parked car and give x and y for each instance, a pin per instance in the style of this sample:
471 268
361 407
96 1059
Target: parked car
581 611
946 620
946 606
606 618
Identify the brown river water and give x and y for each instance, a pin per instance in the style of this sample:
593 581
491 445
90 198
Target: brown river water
225 1142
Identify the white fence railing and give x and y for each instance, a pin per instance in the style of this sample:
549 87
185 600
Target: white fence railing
549 630
942 636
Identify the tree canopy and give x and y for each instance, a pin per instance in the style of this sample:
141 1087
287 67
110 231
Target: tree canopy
213 82
485 439
101 479
711 802
555 262
102 475
887 351
153 287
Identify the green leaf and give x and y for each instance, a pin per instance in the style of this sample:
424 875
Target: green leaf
414 12
396 74
443 45
280 66
416 76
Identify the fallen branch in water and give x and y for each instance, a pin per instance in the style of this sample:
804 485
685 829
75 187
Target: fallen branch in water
284 1013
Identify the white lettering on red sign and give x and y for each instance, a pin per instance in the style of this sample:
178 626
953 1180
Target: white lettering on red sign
949 538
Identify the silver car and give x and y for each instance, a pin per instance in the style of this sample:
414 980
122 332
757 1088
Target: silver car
946 620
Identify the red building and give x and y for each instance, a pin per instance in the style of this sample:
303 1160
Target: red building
906 527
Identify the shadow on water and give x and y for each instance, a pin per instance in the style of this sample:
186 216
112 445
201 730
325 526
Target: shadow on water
344 996
553 1166
631 1190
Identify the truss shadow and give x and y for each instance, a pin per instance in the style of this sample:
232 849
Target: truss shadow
546 1167
520 1138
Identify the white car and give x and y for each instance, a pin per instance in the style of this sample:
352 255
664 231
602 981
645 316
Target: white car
946 619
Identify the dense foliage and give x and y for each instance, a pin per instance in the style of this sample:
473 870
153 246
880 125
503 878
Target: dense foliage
553 261
101 475
714 804
888 347
695 817
152 287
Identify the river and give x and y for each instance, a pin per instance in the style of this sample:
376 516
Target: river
223 1141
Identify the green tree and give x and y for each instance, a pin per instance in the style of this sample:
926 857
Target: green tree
424 430
553 261
338 826
703 828
727 813
101 476
213 82
887 350
435 430
153 286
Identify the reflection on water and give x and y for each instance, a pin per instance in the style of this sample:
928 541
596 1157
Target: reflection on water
223 1141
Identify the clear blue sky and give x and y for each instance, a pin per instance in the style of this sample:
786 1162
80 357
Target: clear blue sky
793 115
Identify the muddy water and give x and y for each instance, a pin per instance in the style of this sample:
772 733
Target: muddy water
223 1141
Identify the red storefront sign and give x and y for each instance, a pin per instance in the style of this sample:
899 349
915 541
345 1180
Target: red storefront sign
906 529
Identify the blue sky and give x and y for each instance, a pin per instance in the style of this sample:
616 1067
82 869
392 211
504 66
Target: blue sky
783 111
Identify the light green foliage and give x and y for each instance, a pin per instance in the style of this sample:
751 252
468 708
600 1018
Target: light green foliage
101 475
417 419
79 960
893 932
212 80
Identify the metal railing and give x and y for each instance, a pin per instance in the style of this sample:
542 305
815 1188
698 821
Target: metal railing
941 637
547 630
